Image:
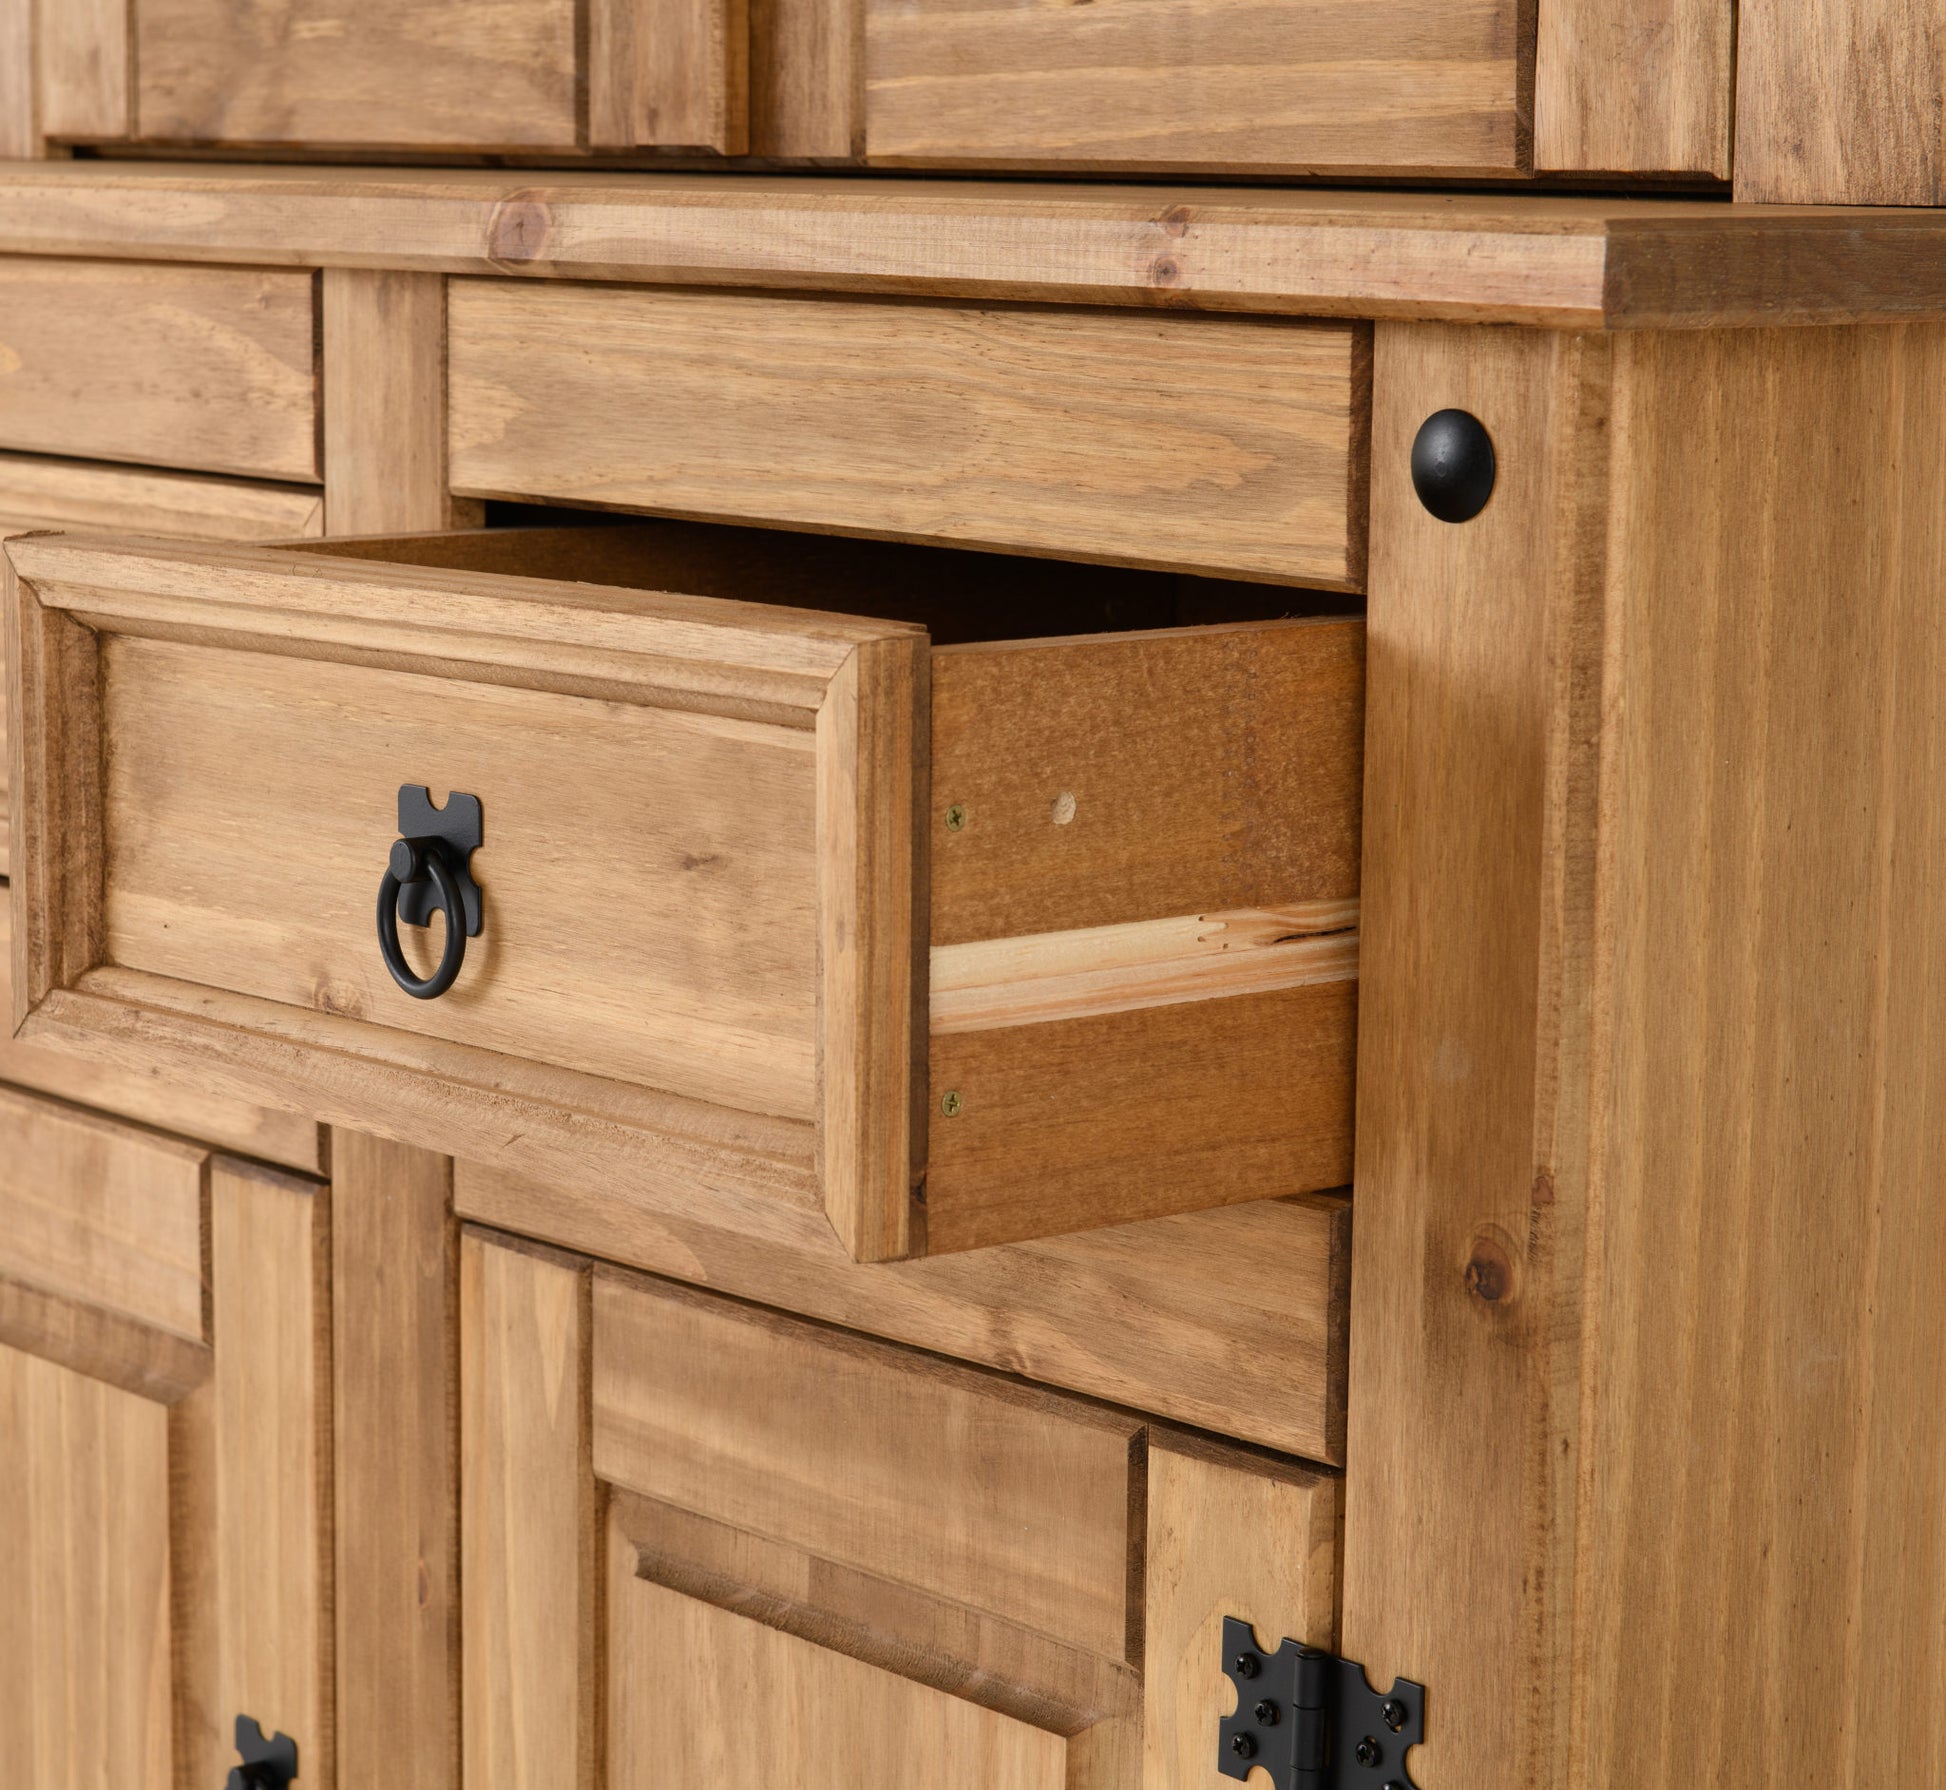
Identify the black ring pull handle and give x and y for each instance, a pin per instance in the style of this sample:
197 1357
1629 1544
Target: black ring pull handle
429 869
412 861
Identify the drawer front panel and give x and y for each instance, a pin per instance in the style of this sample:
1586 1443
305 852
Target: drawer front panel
651 874
38 493
1292 86
696 964
212 368
1187 443
101 1215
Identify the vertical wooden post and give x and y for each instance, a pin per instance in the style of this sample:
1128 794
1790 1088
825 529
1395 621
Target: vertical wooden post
395 1342
1648 1233
385 404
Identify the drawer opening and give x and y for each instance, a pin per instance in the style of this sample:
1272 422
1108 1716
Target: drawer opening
960 596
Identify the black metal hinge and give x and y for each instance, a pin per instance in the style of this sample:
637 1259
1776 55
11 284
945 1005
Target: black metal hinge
1312 1721
268 1763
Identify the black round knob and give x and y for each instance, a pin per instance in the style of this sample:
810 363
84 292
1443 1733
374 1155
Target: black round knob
1452 465
417 858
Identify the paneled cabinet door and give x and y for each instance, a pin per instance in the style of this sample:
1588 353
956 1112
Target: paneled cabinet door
164 1457
705 1544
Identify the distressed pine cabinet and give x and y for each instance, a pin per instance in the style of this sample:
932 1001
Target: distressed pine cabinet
1088 1019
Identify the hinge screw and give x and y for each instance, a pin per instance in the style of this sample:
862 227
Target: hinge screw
1394 1713
956 817
1248 1665
1266 1713
951 1104
1243 1746
1368 1753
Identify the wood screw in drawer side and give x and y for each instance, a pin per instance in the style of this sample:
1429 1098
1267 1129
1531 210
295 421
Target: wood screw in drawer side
951 1104
956 817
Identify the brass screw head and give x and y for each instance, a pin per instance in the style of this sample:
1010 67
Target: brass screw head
950 1105
956 818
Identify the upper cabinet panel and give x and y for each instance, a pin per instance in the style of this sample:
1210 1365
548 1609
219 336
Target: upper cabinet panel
428 74
1326 89
1290 86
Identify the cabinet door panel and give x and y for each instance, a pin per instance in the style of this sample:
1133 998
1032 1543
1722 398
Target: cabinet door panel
701 1696
84 1582
817 1557
165 1499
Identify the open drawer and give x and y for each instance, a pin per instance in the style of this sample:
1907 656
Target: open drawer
970 898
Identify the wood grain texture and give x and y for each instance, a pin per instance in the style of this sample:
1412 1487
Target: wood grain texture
1243 1309
530 1525
804 98
962 1484
1229 1534
42 493
1221 446
384 394
669 74
1451 1451
1138 776
1105 1118
1092 1702
19 113
871 784
1556 262
103 1214
1267 86
395 1347
152 1096
201 367
83 65
1635 87
250 1492
1840 104
678 1712
38 493
360 73
100 1343
1045 976
1673 1227
551 671
84 1583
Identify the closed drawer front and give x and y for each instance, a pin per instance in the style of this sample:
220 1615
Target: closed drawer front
932 1573
212 368
1213 85
40 493
798 911
1226 445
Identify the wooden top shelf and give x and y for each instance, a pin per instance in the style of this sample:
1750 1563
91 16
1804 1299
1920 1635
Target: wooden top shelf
1557 262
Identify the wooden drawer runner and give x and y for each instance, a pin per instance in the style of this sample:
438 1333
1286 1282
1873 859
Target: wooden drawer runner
39 493
211 368
937 1575
709 949
1228 445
